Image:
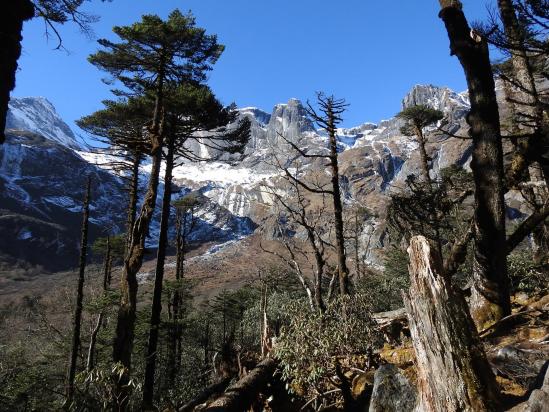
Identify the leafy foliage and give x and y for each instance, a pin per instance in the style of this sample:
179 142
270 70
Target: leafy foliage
383 288
526 275
417 117
310 344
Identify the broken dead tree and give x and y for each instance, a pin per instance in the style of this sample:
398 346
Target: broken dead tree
241 395
453 372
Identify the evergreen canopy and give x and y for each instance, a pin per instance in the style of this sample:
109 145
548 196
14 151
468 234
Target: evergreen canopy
154 51
417 117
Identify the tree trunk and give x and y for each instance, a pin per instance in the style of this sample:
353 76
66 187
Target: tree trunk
240 396
423 155
77 318
525 98
156 310
107 267
174 343
490 293
525 91
133 194
425 169
90 364
11 26
338 213
453 372
123 341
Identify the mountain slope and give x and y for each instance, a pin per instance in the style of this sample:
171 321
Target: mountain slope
42 176
37 115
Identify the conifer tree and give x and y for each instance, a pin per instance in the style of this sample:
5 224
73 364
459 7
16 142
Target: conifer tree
77 318
417 118
184 225
121 126
151 53
189 109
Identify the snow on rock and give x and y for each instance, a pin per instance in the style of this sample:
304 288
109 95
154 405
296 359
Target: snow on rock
219 172
37 115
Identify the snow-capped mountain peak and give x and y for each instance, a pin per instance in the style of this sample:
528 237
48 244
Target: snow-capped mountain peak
38 115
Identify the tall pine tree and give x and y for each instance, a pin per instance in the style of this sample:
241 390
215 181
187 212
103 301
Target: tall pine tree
151 53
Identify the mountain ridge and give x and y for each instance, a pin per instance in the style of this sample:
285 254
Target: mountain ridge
374 159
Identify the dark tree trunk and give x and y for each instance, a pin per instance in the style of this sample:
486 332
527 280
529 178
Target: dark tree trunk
156 310
425 169
319 274
338 212
174 344
453 372
490 293
77 318
133 194
123 341
125 325
11 25
107 265
206 343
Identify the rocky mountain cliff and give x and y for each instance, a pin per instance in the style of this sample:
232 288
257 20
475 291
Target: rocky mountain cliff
37 114
42 170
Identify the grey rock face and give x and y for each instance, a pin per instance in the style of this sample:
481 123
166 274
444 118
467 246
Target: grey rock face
392 391
452 104
538 400
41 191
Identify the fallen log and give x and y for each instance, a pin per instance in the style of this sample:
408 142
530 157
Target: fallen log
206 394
241 395
453 372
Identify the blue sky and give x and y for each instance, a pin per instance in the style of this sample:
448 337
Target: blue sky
369 52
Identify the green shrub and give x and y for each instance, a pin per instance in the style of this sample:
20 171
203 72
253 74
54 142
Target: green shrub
310 344
525 275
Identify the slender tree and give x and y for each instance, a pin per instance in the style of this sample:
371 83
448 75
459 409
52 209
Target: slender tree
185 224
490 299
121 126
327 117
189 109
107 270
296 210
77 317
529 120
417 118
151 54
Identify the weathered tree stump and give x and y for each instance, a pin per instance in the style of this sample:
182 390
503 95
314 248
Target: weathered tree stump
453 372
